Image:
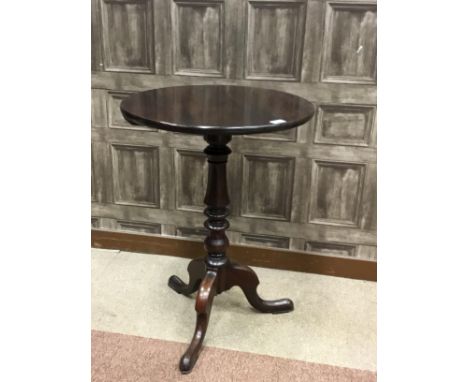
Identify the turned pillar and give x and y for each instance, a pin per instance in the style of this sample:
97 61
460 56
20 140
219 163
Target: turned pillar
217 200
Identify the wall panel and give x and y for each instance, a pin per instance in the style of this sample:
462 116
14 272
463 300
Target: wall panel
274 40
267 187
127 35
330 249
133 226
192 178
312 189
336 192
198 38
135 174
344 125
264 240
350 51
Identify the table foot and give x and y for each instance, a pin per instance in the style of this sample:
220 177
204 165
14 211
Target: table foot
245 277
196 270
203 304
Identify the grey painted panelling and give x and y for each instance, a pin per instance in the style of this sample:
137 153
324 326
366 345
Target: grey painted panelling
367 252
198 37
98 108
330 249
317 92
311 188
264 240
101 190
312 231
198 233
267 187
127 35
336 192
114 116
94 222
369 200
192 178
275 40
351 43
135 174
138 227
344 125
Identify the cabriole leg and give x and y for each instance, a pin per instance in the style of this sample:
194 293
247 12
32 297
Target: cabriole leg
196 270
203 304
247 280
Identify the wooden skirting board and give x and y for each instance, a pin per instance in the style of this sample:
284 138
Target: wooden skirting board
254 256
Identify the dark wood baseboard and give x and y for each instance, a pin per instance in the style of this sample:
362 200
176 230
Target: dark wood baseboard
254 256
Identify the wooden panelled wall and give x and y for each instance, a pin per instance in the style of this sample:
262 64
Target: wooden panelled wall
311 189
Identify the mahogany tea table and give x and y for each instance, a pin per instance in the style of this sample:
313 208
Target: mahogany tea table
217 112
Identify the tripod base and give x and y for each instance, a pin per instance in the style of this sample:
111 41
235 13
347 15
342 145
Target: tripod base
212 281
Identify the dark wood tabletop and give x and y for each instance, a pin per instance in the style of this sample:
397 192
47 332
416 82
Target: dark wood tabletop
216 109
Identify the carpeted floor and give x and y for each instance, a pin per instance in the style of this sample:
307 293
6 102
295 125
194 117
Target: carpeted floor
125 358
141 327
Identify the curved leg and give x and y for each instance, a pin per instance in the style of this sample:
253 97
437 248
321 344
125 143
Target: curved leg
203 304
247 280
196 270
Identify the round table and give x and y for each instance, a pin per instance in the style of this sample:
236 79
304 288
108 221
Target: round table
217 112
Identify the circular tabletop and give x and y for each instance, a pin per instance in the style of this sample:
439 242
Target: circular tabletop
216 109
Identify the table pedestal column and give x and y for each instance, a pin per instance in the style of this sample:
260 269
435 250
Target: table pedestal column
215 273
